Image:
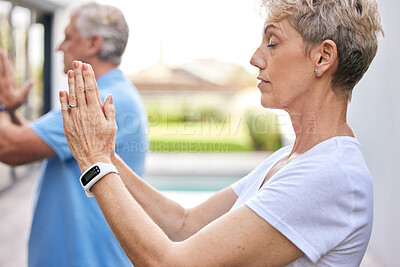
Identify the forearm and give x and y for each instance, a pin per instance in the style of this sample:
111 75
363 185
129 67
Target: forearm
144 243
17 118
19 144
5 125
167 214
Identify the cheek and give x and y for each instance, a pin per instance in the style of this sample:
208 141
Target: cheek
293 73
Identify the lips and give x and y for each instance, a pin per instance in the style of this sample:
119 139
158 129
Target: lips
262 81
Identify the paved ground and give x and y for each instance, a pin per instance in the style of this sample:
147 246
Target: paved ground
16 203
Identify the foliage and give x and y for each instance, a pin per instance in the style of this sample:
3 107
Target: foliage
197 137
182 112
201 128
264 130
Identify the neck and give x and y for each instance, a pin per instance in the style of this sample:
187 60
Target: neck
101 67
318 120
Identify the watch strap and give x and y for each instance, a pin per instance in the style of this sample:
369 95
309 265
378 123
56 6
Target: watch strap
3 107
94 173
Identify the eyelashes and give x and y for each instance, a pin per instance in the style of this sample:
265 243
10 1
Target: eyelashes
270 43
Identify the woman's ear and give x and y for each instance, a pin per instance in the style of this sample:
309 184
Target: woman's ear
324 56
95 43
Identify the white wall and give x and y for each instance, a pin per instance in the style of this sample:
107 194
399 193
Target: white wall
374 115
59 79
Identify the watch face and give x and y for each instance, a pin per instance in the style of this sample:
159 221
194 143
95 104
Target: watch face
90 174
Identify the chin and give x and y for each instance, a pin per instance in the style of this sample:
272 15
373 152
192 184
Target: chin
67 68
267 102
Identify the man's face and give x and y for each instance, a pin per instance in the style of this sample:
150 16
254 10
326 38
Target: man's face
73 46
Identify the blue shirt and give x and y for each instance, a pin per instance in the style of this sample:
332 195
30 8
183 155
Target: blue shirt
68 228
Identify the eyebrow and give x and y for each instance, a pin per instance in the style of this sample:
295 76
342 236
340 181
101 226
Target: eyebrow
270 26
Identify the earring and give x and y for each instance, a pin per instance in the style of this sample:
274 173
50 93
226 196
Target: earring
316 73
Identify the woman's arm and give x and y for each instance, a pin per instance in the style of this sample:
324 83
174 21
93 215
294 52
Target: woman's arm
239 237
178 223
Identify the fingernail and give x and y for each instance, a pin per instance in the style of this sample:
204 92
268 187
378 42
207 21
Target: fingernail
85 67
110 99
76 64
70 74
61 94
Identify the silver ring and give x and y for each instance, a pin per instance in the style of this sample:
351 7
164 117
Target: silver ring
71 106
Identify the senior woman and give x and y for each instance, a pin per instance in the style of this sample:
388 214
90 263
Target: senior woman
307 204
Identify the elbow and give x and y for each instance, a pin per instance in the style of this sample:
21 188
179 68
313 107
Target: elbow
156 255
13 162
152 261
188 227
12 159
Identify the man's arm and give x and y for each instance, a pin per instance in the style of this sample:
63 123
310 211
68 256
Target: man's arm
19 144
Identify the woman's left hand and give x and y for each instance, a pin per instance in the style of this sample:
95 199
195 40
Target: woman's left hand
89 126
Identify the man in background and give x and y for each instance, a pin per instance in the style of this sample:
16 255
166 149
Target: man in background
68 228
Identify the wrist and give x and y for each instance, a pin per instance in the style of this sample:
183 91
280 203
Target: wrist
84 164
93 174
5 118
3 107
114 157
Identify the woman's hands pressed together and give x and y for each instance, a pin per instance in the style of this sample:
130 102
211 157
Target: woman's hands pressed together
89 126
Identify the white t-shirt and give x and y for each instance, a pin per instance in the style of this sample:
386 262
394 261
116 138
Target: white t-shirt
322 201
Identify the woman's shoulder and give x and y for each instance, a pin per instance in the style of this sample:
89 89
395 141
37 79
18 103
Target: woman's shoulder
338 159
333 151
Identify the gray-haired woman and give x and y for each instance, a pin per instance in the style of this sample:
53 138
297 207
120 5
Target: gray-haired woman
307 204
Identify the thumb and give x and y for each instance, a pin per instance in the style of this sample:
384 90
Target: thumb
109 109
28 85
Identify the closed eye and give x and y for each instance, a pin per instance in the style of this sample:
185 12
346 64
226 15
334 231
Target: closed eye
271 43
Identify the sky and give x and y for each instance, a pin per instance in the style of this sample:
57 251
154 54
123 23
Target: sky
228 30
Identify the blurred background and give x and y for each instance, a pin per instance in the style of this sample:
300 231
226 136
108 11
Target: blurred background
190 62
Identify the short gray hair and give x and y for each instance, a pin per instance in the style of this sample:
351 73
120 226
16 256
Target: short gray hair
354 25
107 22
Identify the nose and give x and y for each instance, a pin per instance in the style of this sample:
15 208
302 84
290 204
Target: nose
60 46
257 60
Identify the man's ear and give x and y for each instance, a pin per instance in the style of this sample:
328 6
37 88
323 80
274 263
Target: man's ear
325 57
94 46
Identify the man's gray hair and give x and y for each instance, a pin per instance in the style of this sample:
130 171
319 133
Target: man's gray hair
107 22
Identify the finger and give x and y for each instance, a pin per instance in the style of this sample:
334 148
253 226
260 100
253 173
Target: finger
79 85
2 54
8 70
97 90
26 88
64 105
90 85
109 109
71 87
3 82
8 82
